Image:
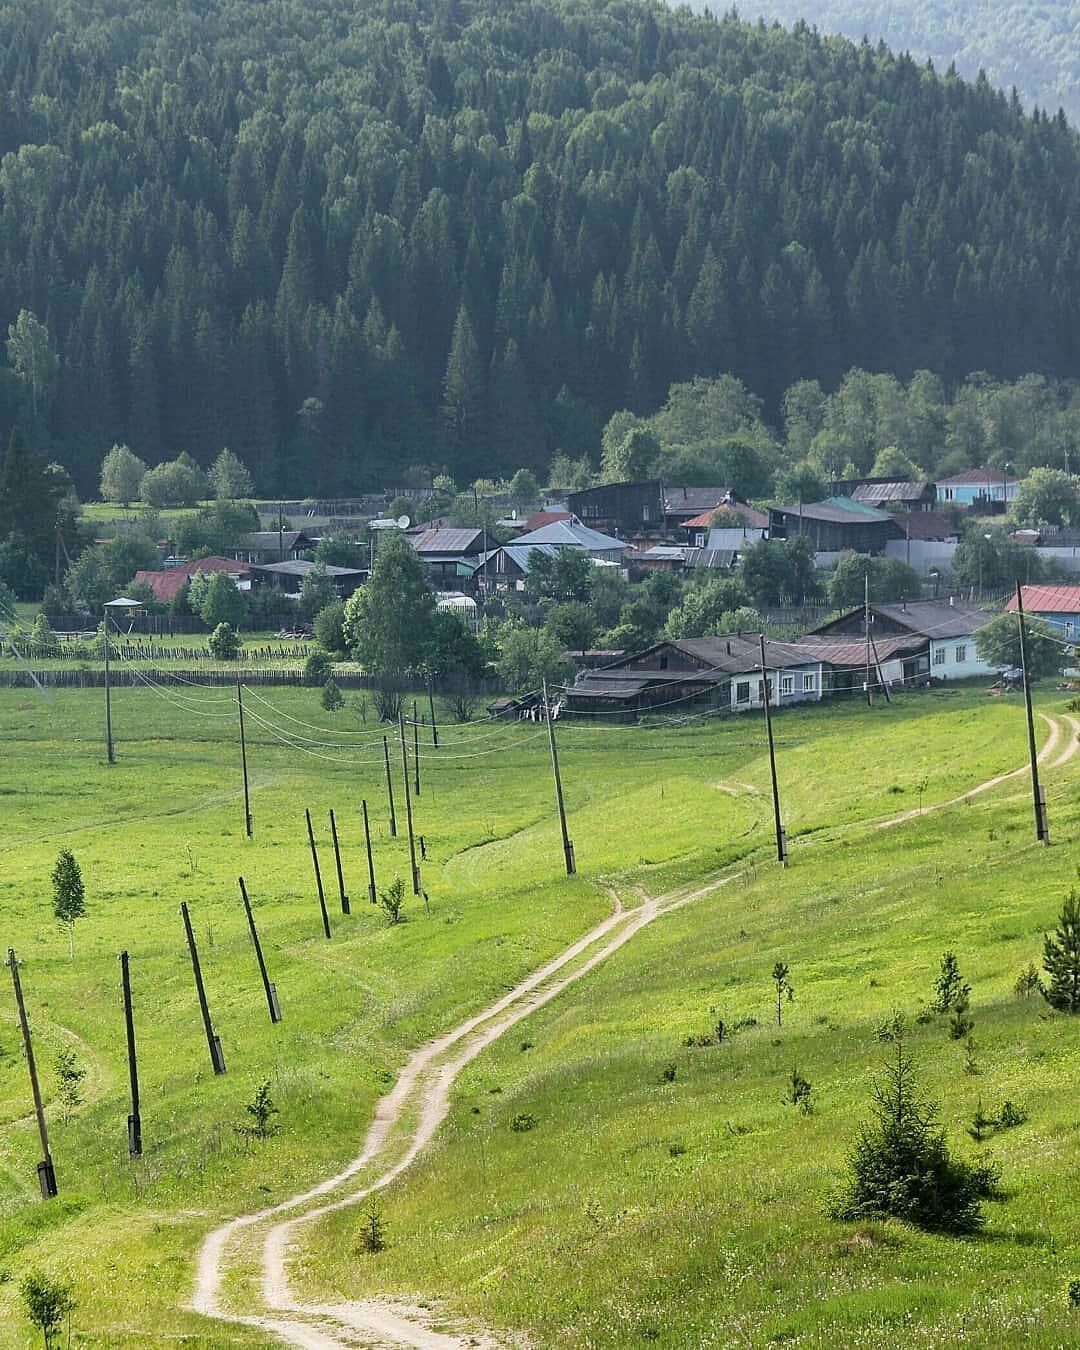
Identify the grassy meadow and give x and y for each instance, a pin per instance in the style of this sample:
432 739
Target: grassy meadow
666 1192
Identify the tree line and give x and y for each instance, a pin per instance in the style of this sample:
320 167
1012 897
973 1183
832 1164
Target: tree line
345 241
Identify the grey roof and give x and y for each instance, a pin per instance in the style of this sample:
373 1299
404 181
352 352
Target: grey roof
936 618
267 539
837 510
572 534
300 567
900 491
723 558
516 553
978 478
736 653
448 541
692 501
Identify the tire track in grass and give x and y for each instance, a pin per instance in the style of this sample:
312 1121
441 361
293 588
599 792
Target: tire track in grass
423 1090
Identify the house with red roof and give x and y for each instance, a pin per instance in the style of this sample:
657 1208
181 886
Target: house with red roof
168 582
1059 606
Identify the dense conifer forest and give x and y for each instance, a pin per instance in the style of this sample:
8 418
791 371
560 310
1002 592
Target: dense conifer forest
344 240
1032 45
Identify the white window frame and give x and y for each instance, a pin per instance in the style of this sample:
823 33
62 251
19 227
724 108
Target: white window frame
787 685
961 653
740 696
809 684
939 656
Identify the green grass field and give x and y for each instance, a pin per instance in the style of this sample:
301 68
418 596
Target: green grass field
685 1209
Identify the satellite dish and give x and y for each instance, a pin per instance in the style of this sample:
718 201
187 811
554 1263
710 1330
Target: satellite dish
403 522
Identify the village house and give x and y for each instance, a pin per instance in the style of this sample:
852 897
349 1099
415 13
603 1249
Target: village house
944 633
573 533
720 674
268 546
166 584
288 577
835 526
449 553
986 489
620 508
884 493
1059 606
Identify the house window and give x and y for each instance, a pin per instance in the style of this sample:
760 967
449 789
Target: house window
761 690
787 684
646 513
742 691
699 540
961 653
1070 628
948 494
808 683
939 656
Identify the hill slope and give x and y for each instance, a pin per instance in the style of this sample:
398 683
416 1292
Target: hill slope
344 240
1033 47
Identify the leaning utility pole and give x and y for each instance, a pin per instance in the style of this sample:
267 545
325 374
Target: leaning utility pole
567 843
389 787
781 837
268 988
318 873
370 861
45 1171
408 805
135 1119
217 1059
337 859
1042 830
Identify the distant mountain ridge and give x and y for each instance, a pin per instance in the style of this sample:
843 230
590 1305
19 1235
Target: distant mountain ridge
1032 45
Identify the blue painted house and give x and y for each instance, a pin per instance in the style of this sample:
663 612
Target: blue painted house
993 489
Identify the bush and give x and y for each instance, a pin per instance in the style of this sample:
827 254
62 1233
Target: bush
224 643
522 1122
47 1302
393 899
901 1168
317 667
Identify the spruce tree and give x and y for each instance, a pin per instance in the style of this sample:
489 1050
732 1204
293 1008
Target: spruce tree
69 893
1061 958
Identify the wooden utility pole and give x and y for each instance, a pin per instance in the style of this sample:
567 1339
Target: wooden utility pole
416 751
781 837
1042 830
217 1059
370 862
567 843
268 988
243 760
408 805
337 859
108 694
866 625
46 1172
318 874
389 787
434 728
135 1119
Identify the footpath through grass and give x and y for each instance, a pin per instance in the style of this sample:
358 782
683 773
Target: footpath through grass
682 1210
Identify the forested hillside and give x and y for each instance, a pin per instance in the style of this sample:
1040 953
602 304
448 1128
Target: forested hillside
1033 45
343 240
